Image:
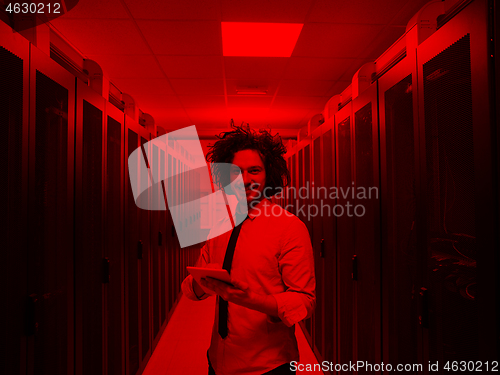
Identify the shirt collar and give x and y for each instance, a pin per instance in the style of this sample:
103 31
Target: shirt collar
257 210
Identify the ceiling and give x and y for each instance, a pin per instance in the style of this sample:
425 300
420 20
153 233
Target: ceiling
168 55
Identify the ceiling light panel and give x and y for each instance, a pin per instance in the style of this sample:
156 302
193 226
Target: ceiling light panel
259 39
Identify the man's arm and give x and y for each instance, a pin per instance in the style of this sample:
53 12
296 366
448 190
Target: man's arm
190 288
296 263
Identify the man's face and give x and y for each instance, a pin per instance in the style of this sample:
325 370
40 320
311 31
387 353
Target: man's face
253 173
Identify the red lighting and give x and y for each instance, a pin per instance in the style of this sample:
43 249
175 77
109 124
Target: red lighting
259 39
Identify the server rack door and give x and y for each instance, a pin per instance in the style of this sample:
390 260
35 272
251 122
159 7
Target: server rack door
366 214
132 249
300 212
293 173
138 265
113 237
145 270
460 184
328 247
89 237
176 260
14 115
318 242
171 234
50 243
400 268
306 183
155 243
345 237
163 241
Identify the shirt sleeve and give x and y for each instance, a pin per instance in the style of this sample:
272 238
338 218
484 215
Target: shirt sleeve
296 265
187 284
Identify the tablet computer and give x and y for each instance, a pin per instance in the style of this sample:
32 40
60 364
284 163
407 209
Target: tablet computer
215 273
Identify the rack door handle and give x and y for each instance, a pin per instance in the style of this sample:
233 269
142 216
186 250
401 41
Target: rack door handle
139 249
423 317
105 270
31 319
322 248
355 268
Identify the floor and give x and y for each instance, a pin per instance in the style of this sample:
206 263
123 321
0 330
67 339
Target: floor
177 353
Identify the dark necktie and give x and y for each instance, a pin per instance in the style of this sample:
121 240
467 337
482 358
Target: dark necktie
228 260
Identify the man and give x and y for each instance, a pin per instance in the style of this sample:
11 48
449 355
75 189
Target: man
272 268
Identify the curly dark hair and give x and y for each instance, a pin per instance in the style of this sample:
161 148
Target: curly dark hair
270 149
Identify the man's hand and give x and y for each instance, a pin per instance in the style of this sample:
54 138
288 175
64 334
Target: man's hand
240 294
198 291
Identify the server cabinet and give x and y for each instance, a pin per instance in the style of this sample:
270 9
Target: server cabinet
366 215
113 236
50 213
171 231
162 241
293 195
345 237
458 219
157 168
302 205
89 236
324 237
137 262
328 248
400 264
318 242
14 115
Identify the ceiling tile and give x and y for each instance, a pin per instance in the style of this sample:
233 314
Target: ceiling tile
289 116
202 101
338 87
204 117
109 9
255 67
191 66
198 86
334 40
307 102
148 93
304 87
129 66
245 101
265 10
318 68
171 119
102 37
355 11
183 37
174 10
233 84
382 42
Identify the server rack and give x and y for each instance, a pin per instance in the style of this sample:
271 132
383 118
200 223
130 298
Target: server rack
137 266
345 238
90 277
114 254
89 230
50 212
458 219
324 240
14 116
367 274
398 148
